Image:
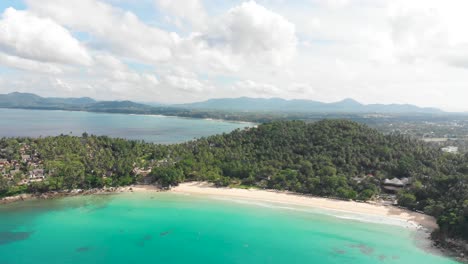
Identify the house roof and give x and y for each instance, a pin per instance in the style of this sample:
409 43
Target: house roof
397 182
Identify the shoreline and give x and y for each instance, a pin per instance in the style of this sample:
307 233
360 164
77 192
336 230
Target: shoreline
68 193
370 212
360 211
235 121
422 225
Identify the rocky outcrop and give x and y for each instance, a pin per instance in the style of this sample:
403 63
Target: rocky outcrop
65 193
458 249
21 197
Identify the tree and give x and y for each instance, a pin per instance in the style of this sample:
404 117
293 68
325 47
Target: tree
406 199
168 176
365 195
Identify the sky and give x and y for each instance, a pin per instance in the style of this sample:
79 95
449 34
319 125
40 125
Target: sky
179 51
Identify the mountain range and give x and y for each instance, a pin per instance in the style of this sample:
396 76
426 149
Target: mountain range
242 104
246 104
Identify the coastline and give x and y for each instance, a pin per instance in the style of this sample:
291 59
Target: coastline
371 212
360 211
377 213
69 193
235 121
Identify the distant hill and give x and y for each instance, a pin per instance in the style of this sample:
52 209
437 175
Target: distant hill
213 108
116 106
32 101
20 100
72 101
246 104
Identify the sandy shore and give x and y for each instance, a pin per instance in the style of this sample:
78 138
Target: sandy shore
362 211
345 209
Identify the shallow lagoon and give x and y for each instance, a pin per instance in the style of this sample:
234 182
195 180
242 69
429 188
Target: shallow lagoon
172 228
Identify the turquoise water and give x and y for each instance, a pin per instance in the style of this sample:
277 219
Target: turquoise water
170 228
157 129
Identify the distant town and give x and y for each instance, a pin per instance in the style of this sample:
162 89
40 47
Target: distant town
27 169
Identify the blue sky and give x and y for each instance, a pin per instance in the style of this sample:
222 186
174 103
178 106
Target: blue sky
12 3
175 51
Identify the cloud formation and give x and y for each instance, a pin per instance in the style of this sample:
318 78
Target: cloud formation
111 28
29 65
184 12
25 35
375 51
253 31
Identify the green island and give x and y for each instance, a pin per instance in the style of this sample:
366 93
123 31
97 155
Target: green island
330 158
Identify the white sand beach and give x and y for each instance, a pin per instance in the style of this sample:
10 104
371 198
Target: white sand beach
362 211
369 212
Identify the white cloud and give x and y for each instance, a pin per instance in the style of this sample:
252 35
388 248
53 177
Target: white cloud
106 79
255 32
184 83
26 35
185 11
179 79
61 85
108 61
118 30
332 3
29 65
256 89
429 30
113 71
388 51
301 88
248 33
416 33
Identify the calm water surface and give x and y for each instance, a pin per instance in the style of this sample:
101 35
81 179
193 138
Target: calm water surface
170 228
157 129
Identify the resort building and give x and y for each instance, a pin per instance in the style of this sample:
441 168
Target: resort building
395 184
450 149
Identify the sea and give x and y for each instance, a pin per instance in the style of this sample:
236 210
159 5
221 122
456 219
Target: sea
174 228
150 128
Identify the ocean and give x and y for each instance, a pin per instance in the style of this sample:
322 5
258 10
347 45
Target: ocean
150 128
175 228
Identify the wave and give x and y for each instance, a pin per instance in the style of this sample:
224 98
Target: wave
336 213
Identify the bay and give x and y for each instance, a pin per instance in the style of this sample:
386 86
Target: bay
150 128
173 228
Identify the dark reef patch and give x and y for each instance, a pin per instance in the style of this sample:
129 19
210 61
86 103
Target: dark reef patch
165 233
10 237
366 250
141 243
83 249
339 251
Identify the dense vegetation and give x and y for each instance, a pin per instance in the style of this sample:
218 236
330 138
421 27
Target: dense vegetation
335 158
